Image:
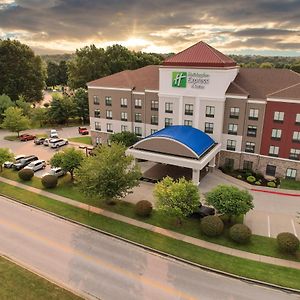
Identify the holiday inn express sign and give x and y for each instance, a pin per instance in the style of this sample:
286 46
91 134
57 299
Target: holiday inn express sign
192 79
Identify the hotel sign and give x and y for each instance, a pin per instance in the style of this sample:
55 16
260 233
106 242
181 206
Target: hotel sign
194 80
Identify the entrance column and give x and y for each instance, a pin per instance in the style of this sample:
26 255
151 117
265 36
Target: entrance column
212 164
196 176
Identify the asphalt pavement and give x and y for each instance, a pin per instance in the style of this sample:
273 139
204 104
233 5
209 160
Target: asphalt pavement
101 267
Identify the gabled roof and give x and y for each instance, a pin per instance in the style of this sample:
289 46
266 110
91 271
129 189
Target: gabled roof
235 89
292 92
200 55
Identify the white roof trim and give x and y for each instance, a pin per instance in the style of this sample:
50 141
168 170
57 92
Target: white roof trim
234 96
257 101
284 100
108 88
151 91
138 93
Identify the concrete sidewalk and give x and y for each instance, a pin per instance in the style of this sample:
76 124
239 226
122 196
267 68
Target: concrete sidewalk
166 232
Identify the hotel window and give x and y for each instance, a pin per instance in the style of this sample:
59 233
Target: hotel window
250 147
109 114
154 105
154 120
168 107
209 127
168 122
234 112
153 131
231 145
188 123
253 114
271 170
298 119
97 113
273 151
252 130
296 136
138 117
109 127
123 102
278 116
294 154
229 163
124 128
210 111
138 131
276 134
124 116
291 173
188 109
108 101
96 100
97 126
247 165
138 103
232 129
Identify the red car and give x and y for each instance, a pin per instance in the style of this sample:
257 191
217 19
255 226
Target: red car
26 137
83 130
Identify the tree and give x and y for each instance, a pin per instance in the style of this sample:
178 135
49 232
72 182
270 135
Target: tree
109 174
69 160
126 138
63 72
39 116
266 65
24 74
81 103
5 103
52 74
229 200
14 120
25 106
296 68
5 155
178 198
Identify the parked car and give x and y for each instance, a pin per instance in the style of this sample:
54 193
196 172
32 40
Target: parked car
9 164
56 143
36 165
24 162
53 133
26 137
39 141
47 141
56 171
83 130
202 211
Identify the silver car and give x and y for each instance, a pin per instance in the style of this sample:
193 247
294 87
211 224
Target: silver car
9 164
58 172
36 165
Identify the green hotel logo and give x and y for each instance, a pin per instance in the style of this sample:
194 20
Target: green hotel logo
179 79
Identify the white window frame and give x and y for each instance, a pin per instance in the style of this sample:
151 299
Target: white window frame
168 120
278 116
291 173
232 128
123 102
169 107
234 112
124 128
274 150
210 111
97 126
276 133
138 130
109 114
109 127
253 114
124 116
296 136
188 123
138 103
232 144
209 127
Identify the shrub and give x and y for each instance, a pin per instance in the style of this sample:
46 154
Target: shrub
212 226
225 218
251 179
25 174
257 183
239 177
240 233
271 184
287 242
49 181
143 208
247 174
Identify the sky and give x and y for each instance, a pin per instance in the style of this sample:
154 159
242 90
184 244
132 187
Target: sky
263 27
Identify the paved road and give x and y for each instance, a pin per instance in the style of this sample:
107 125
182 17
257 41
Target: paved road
106 268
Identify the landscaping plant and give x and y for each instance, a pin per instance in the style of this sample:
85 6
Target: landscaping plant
240 233
287 242
143 208
212 226
26 174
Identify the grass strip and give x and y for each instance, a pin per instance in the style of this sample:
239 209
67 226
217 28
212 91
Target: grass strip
82 139
289 184
282 276
19 283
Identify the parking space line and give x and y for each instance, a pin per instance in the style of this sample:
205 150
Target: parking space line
294 228
269 227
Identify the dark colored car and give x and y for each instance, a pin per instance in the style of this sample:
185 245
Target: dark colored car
83 130
24 162
202 211
39 141
26 137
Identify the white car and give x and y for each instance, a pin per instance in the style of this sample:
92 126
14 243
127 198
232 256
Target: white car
56 171
56 143
9 164
47 142
53 134
36 165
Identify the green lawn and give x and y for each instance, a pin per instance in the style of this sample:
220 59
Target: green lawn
270 273
11 138
82 139
18 283
290 184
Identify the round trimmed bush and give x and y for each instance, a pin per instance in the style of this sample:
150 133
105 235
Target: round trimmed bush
257 183
240 233
25 174
143 208
49 181
239 177
225 218
271 184
251 179
287 242
212 225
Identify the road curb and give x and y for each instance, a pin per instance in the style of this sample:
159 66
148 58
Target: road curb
276 193
161 253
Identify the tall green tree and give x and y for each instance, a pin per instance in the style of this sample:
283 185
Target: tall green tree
81 103
296 68
39 116
126 138
22 72
63 73
229 200
177 198
61 109
52 74
25 106
5 103
109 174
5 155
14 120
